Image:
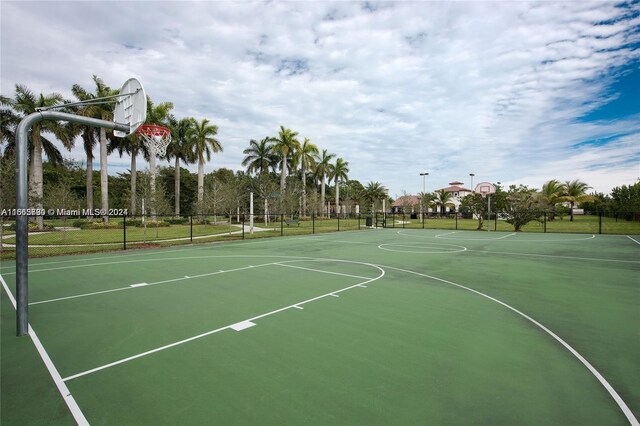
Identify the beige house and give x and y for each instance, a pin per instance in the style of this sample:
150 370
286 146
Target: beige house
411 203
458 192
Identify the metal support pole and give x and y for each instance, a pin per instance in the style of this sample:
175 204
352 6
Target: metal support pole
489 218
22 201
281 224
191 229
600 223
313 223
243 226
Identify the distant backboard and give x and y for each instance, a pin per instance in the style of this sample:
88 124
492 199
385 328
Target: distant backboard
131 108
485 188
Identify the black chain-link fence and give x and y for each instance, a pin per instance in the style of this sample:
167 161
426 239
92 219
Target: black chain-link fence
75 235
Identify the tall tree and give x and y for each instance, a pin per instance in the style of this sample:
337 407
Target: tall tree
259 157
180 149
25 103
443 200
552 194
306 156
8 122
339 173
323 166
575 192
159 115
103 112
131 145
374 192
285 145
89 135
202 134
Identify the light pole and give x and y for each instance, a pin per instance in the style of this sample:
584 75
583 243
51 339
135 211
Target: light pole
424 181
424 190
472 188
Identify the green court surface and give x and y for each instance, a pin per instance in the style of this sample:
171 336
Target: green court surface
387 326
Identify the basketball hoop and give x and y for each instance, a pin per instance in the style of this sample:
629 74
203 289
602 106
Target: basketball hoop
156 138
485 188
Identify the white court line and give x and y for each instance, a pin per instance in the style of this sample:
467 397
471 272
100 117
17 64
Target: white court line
623 406
636 241
144 285
208 333
53 371
161 259
509 235
439 235
320 270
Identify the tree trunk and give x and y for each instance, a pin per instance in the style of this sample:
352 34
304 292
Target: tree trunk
283 177
304 191
152 181
572 204
104 176
200 185
134 176
36 191
90 184
322 197
177 186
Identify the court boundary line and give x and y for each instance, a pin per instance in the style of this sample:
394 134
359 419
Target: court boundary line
612 392
67 397
632 239
252 319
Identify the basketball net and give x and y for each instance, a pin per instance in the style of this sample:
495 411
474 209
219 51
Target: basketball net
156 138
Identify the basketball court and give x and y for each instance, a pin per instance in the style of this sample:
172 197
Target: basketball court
381 326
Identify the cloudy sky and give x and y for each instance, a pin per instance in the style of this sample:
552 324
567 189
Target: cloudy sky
516 92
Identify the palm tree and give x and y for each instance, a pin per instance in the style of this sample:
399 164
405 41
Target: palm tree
202 135
285 145
575 192
159 115
426 198
103 112
26 102
259 157
180 149
89 136
306 157
373 192
339 173
443 200
131 145
552 194
323 166
8 122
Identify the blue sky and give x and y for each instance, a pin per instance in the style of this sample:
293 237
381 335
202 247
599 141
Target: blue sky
517 92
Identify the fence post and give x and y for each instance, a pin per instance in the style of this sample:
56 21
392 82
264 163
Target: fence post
495 221
544 221
281 224
403 219
359 221
456 221
423 217
124 231
338 217
191 229
243 226
313 223
600 223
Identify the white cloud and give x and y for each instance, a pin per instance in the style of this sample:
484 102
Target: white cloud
396 89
